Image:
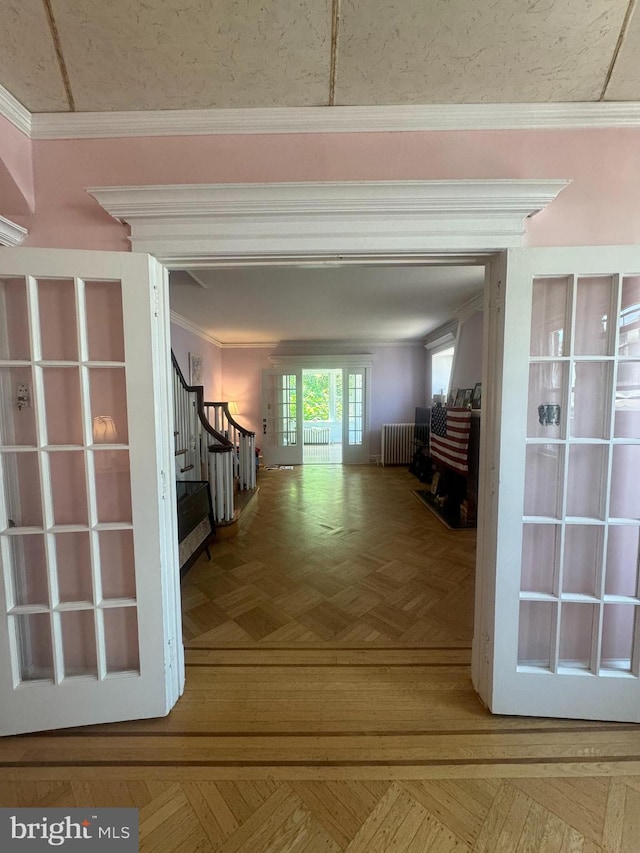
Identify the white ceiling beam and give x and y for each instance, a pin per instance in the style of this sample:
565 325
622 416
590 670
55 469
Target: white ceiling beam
182 225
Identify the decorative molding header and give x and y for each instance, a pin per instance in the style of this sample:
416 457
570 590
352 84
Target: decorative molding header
14 112
10 233
362 119
329 360
182 224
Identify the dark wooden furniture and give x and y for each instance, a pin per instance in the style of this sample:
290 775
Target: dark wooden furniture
195 521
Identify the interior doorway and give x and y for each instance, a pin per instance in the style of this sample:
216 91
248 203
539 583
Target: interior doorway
322 411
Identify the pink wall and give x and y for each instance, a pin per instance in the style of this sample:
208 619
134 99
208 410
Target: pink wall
17 195
182 343
242 382
599 207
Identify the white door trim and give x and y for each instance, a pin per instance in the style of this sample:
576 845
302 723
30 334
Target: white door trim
185 225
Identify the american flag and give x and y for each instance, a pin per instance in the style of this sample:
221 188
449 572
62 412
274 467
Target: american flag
450 437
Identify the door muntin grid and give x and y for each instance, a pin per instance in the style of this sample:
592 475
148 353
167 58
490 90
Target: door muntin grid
579 604
355 408
286 410
63 489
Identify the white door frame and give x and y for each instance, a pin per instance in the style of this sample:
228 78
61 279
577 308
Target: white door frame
394 223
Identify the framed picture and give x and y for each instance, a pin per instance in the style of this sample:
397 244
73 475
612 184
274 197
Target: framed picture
195 369
476 400
459 401
452 396
468 397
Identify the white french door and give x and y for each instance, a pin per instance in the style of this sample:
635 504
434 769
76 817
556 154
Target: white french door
560 634
89 589
282 416
355 420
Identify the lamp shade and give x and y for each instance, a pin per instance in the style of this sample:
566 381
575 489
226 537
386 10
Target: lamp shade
104 430
233 407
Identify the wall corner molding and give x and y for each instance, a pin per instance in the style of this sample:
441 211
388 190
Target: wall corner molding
11 234
13 111
183 224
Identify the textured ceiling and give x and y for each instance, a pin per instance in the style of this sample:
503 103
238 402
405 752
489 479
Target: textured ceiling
102 55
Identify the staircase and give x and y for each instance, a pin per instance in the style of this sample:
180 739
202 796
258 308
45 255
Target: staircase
210 445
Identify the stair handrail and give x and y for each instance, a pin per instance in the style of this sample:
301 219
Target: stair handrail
234 423
224 445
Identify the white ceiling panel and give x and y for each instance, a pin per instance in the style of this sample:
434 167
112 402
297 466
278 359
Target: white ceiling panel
625 80
28 64
351 303
457 51
191 54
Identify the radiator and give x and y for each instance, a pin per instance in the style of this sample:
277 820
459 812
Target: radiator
397 444
316 435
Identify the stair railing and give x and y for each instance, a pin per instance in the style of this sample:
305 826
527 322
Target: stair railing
202 452
243 440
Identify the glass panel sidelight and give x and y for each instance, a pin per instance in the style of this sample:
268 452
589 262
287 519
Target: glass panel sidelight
356 408
117 564
578 571
286 412
20 474
108 405
68 487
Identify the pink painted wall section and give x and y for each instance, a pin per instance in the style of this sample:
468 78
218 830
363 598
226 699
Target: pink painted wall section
182 343
17 194
242 382
599 207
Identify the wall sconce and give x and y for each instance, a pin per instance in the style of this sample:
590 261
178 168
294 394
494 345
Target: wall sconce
104 430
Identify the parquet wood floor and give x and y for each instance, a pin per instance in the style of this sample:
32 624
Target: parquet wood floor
333 555
328 703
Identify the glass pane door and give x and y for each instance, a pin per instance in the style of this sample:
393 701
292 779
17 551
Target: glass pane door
566 626
282 417
75 585
579 584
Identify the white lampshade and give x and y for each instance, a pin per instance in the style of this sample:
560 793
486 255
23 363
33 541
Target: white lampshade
104 430
234 409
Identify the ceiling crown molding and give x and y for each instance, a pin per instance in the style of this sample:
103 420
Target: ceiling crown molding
181 224
10 233
471 307
361 119
181 321
14 112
